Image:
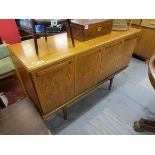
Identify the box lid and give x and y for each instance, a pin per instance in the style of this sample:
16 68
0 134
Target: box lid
84 22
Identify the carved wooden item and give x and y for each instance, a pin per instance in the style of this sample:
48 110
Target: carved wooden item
86 29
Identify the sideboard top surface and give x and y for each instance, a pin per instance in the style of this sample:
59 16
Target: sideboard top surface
59 47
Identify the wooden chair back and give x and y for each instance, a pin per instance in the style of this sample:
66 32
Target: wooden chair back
1 42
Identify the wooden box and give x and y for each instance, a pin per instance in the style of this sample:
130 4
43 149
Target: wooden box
86 29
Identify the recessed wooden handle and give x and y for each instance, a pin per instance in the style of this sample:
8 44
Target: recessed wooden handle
45 71
90 53
113 44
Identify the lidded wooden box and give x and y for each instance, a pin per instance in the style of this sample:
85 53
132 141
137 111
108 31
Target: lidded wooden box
86 29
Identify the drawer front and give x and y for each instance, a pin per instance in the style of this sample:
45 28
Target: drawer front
55 85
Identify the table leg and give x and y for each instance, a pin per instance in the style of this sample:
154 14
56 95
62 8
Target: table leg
34 36
45 33
1 42
65 113
111 82
71 33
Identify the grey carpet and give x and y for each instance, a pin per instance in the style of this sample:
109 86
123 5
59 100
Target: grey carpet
113 112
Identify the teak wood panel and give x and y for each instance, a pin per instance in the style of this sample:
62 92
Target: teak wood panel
145 46
87 69
116 56
109 59
27 81
125 52
55 85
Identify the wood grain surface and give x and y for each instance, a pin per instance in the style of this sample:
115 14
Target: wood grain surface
59 47
62 74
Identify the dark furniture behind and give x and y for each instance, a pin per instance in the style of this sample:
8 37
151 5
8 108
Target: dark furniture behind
1 42
46 23
28 31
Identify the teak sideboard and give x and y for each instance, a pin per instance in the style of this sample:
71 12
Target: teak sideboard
62 73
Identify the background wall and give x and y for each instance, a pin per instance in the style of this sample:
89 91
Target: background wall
9 31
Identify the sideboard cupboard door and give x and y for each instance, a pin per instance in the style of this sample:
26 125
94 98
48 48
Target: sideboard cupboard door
87 69
125 55
145 46
109 59
55 85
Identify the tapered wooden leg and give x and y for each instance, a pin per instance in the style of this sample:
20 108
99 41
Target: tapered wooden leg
45 33
111 81
1 42
20 80
144 125
71 33
34 36
65 113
